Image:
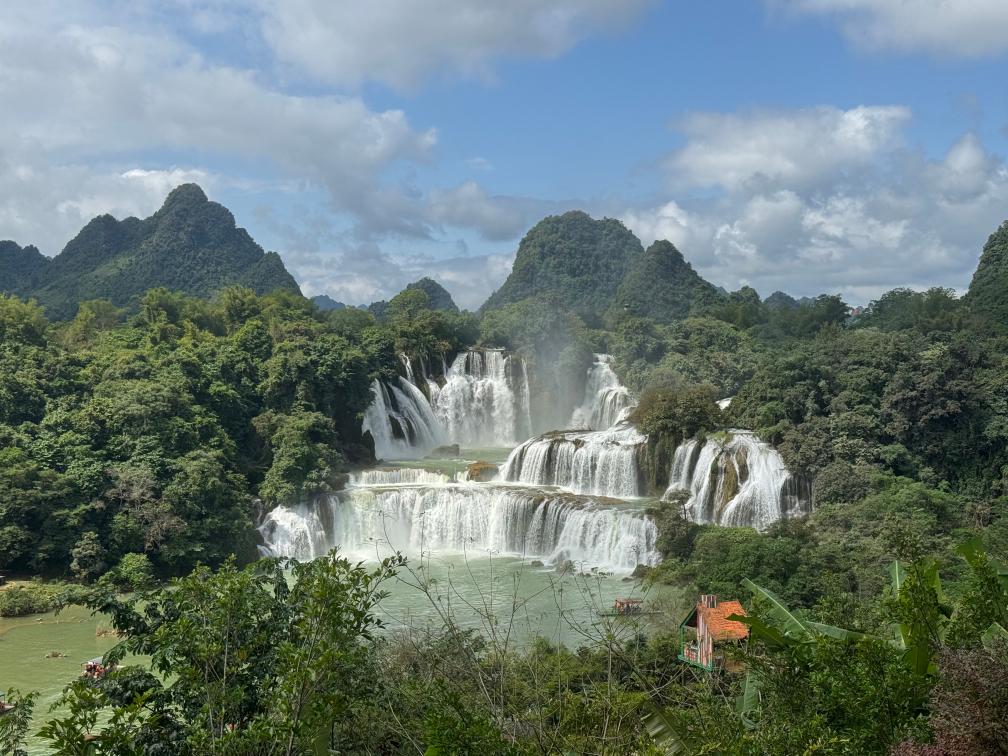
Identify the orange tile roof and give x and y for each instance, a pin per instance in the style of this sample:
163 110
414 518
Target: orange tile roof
716 619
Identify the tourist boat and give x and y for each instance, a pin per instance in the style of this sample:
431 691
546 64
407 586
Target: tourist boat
628 607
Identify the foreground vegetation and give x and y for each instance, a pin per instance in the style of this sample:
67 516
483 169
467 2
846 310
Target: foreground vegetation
253 661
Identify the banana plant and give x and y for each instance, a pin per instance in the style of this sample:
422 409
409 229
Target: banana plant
922 612
782 629
996 574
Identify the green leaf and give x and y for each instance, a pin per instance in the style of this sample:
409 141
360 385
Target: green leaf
993 635
973 552
779 614
662 731
898 575
746 703
834 632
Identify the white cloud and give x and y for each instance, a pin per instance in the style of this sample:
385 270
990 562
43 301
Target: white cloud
670 221
495 218
363 274
781 148
87 97
879 216
401 42
970 28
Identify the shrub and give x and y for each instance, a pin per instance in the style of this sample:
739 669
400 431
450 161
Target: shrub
678 412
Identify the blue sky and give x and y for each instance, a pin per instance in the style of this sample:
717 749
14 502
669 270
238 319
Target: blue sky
811 146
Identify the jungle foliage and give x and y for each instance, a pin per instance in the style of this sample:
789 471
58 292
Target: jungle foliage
156 433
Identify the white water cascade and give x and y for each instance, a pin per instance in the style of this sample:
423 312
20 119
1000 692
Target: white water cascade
393 476
485 399
737 480
606 399
401 421
478 519
585 462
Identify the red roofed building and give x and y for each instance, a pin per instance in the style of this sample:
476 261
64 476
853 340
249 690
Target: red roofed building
707 627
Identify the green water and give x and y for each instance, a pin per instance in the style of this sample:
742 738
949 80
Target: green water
513 599
45 652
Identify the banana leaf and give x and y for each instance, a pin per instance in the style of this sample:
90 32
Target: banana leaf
789 625
994 634
662 731
746 703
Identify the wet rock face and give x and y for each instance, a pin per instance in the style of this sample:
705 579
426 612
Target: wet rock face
481 472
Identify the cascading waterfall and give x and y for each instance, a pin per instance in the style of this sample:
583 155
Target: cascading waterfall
605 400
393 476
737 480
401 421
466 517
585 462
485 399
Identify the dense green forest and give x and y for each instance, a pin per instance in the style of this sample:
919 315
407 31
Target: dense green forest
877 622
159 431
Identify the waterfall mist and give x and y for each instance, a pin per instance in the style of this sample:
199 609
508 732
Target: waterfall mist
606 400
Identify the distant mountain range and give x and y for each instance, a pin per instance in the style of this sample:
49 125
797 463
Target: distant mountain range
190 245
592 267
325 303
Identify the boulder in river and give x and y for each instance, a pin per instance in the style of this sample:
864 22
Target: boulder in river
481 472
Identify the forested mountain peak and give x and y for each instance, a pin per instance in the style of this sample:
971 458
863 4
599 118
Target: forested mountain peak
438 295
988 292
20 267
573 257
781 301
325 303
185 196
661 285
190 244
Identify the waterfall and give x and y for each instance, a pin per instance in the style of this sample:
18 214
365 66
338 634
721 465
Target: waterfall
605 400
485 399
585 462
738 480
394 476
401 421
476 518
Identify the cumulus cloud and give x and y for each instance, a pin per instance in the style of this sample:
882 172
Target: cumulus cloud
773 148
860 216
104 101
401 42
970 28
495 218
87 96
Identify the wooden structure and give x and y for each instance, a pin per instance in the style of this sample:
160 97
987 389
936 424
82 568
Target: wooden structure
707 628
